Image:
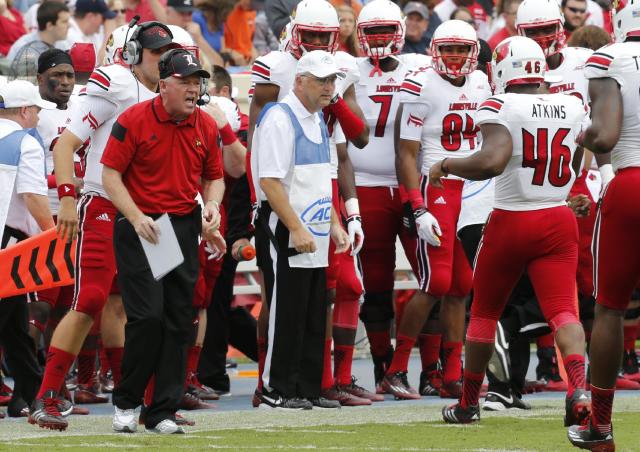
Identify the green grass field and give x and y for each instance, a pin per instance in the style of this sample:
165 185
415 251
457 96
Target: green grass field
380 428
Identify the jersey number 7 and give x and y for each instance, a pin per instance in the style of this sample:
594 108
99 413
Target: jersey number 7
537 154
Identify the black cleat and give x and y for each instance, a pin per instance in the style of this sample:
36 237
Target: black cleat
455 414
495 401
276 401
585 437
577 408
322 402
430 383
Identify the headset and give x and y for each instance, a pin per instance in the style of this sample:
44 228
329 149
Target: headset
132 50
203 96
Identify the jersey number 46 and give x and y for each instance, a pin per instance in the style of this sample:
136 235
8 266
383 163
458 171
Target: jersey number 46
548 162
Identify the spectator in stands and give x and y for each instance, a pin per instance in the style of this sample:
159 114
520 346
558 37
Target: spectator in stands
146 9
348 36
355 5
53 24
417 22
83 57
464 14
11 24
117 7
595 14
86 25
279 13
31 16
180 13
263 38
238 33
508 10
445 8
575 15
589 37
210 16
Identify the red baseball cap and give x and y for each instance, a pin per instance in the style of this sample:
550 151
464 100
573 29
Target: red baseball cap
83 57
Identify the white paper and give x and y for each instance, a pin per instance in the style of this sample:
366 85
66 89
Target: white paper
166 255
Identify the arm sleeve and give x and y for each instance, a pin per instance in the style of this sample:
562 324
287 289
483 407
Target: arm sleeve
413 117
239 211
94 112
121 145
30 177
276 144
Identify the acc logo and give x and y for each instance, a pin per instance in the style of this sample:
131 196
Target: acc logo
317 216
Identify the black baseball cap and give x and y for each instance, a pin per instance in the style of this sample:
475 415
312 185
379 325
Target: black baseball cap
180 63
154 35
94 6
181 5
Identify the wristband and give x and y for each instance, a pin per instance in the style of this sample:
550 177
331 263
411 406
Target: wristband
351 124
606 172
352 206
227 135
415 198
66 190
404 196
51 181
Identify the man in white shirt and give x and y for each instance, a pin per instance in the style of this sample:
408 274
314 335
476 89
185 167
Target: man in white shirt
292 173
88 23
53 24
24 211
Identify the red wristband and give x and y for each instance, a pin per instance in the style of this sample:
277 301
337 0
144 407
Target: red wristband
51 181
351 124
66 190
415 198
228 136
404 196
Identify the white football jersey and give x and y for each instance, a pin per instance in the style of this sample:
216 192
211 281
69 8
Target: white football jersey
279 68
378 95
543 129
117 85
621 62
51 124
570 73
441 115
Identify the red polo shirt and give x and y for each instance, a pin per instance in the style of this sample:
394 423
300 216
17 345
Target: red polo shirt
162 161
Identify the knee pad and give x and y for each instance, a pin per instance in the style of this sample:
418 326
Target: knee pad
482 330
563 319
377 307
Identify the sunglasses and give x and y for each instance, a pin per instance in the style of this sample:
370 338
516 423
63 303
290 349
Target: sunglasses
576 10
121 11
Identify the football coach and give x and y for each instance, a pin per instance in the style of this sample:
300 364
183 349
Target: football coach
160 154
291 170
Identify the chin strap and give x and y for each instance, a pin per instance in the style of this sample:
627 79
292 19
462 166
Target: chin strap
376 71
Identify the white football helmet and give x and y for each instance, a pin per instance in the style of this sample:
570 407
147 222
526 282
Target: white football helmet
535 14
626 19
285 37
184 40
381 13
115 43
516 61
317 16
455 33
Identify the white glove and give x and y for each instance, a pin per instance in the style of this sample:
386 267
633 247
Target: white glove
356 234
428 227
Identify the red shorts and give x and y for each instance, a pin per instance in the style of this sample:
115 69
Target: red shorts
95 260
381 212
585 230
444 269
544 243
616 241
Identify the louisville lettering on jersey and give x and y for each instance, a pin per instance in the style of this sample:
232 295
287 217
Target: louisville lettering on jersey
492 104
387 89
411 87
100 79
458 106
599 60
261 70
562 88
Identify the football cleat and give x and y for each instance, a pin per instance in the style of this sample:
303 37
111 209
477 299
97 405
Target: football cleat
181 420
199 390
577 408
398 385
343 397
358 391
85 394
276 401
380 366
324 403
630 368
455 414
189 402
46 412
255 400
124 421
585 437
167 427
451 390
430 383
495 401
